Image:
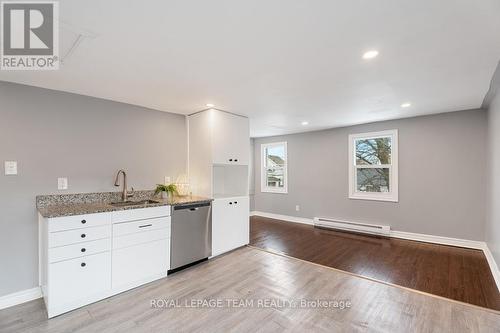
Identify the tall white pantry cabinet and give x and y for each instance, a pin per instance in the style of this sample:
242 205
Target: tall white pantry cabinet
219 150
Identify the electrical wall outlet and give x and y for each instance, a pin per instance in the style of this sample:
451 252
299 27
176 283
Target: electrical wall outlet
297 208
10 168
62 183
167 180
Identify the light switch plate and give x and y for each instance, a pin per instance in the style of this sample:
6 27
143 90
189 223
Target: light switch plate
62 183
10 168
167 180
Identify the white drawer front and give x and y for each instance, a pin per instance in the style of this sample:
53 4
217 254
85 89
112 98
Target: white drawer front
124 228
134 264
79 250
70 237
79 221
140 238
140 214
81 278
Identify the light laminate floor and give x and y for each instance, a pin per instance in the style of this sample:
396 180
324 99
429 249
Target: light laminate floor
252 274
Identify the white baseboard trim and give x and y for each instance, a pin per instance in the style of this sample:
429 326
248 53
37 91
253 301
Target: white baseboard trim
287 218
471 244
493 265
20 297
478 245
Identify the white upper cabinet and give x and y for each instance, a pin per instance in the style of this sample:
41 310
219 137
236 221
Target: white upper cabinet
217 139
230 137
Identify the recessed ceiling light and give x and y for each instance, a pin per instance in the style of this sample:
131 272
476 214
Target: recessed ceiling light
406 105
370 54
210 105
304 123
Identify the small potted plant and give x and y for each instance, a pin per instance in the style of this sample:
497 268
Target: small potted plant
167 191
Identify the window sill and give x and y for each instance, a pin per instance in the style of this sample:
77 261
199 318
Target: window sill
374 198
274 191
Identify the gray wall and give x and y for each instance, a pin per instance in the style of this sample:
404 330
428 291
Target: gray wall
54 134
493 217
442 176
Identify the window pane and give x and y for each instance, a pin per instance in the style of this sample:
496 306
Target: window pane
275 166
275 177
276 155
372 180
373 151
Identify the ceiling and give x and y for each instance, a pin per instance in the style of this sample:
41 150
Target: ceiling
280 62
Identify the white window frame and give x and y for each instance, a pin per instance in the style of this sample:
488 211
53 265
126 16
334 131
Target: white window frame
263 175
393 194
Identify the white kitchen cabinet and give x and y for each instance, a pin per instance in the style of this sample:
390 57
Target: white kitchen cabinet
79 221
69 237
82 279
230 137
87 258
216 138
78 250
219 154
140 238
139 264
141 252
230 224
136 227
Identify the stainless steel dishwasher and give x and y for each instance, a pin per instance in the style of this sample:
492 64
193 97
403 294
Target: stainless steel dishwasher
191 234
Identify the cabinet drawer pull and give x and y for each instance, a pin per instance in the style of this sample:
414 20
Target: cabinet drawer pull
235 202
83 249
236 160
84 221
83 264
145 225
230 203
230 160
83 236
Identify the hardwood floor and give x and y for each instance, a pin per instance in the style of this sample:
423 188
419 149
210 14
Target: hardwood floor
456 273
248 275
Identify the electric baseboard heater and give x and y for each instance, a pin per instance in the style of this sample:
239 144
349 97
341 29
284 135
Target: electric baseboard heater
366 228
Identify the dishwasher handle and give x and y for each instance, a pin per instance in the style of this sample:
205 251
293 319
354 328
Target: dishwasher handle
192 207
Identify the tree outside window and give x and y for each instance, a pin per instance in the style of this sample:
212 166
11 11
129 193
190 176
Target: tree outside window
373 166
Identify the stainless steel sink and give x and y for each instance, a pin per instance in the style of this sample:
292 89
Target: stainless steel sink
133 203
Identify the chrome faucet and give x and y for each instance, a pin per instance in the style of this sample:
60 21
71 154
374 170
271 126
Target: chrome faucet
125 194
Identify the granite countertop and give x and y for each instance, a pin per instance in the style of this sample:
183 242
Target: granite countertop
50 206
